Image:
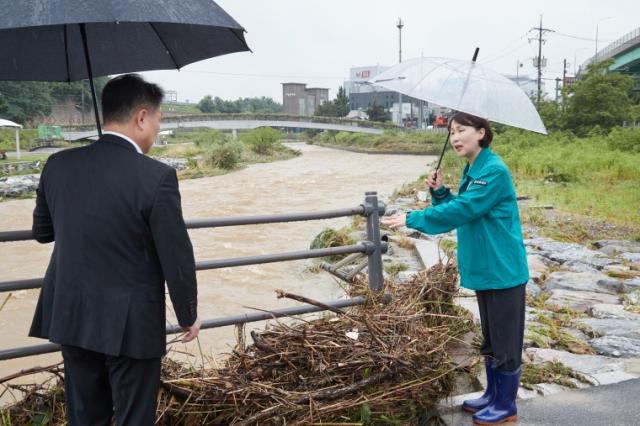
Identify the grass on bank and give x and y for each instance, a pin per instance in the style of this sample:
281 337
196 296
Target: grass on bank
593 183
391 141
212 152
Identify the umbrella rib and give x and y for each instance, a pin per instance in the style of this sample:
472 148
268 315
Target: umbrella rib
164 44
244 43
423 79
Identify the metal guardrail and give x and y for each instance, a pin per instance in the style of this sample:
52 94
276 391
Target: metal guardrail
618 46
259 117
373 248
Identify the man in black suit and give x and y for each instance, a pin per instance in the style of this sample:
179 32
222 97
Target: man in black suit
116 220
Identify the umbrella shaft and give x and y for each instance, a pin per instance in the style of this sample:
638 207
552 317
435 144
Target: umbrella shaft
83 32
444 148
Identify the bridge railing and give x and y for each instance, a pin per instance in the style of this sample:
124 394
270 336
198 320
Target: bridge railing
373 247
258 117
618 46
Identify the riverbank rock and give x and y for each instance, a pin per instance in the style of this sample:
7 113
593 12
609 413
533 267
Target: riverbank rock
566 252
616 247
595 282
579 301
176 163
16 186
584 364
613 327
608 311
616 346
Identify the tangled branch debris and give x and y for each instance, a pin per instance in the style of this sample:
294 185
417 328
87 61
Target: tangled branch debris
390 358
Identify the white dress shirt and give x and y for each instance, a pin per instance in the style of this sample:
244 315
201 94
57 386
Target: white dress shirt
127 138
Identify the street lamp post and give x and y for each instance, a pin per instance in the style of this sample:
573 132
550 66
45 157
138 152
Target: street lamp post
575 60
597 25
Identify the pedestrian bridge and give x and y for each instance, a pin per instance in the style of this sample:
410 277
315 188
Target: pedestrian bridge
625 52
235 122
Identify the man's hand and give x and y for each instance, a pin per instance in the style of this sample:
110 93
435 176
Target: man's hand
192 331
395 221
434 180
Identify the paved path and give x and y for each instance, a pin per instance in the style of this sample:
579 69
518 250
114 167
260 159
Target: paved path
610 405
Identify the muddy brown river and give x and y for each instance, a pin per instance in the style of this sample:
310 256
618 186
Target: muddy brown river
320 179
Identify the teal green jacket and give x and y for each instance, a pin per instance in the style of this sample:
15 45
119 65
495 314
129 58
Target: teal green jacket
491 253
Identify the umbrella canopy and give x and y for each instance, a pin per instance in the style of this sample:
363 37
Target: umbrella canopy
66 40
42 39
463 86
7 123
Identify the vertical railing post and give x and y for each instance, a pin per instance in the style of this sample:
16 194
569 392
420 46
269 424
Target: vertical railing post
376 280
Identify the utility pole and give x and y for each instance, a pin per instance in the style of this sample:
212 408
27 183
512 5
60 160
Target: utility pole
564 78
541 31
400 24
557 89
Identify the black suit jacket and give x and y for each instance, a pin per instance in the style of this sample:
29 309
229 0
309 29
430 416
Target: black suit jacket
116 219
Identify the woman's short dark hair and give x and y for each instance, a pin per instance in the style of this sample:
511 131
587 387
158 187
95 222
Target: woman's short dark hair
122 95
475 122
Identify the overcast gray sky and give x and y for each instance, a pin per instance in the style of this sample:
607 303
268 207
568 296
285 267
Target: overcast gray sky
317 41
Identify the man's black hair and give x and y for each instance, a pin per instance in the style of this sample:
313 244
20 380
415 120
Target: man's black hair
124 94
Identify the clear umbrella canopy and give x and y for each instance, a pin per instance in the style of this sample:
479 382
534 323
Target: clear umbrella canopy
463 86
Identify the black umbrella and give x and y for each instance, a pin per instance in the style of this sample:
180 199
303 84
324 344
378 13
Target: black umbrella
68 40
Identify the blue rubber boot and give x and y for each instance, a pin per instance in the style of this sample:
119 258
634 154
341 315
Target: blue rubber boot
473 405
503 407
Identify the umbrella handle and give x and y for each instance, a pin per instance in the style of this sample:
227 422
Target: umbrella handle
444 148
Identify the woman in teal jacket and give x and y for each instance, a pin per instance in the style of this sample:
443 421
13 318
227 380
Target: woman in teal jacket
491 258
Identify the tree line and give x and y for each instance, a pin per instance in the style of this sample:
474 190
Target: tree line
28 101
263 104
595 103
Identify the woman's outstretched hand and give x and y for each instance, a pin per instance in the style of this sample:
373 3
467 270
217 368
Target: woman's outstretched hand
395 221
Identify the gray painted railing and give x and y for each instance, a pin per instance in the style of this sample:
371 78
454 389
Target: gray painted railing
373 248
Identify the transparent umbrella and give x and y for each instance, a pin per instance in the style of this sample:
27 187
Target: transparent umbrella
463 86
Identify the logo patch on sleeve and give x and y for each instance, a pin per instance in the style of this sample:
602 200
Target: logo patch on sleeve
480 182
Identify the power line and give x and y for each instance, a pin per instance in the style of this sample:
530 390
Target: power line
498 54
229 74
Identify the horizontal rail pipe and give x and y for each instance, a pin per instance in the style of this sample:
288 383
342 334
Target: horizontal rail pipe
364 247
46 348
23 235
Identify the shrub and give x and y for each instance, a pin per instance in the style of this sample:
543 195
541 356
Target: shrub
624 139
225 155
262 140
210 138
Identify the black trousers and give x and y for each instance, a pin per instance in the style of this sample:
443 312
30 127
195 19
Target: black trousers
502 321
97 385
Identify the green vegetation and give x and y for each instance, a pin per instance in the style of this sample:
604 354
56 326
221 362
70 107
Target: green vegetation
26 101
599 101
180 108
339 107
550 334
28 139
262 140
377 112
550 372
594 177
241 105
395 268
212 152
392 141
330 237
